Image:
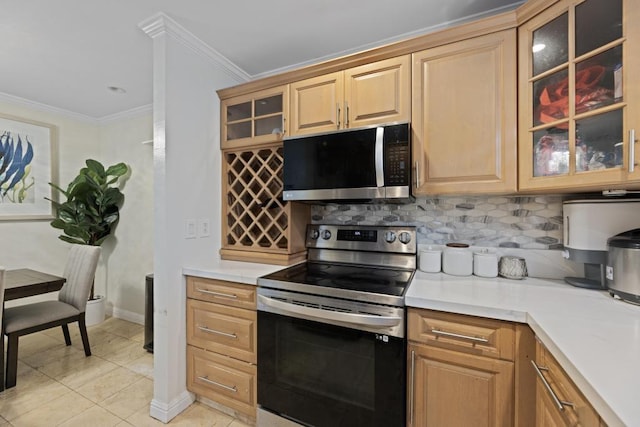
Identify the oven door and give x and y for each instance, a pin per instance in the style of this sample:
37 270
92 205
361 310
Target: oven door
319 374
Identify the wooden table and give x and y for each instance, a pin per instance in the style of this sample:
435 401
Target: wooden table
26 283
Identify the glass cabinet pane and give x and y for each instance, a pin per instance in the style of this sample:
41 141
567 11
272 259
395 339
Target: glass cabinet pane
599 142
269 125
551 98
599 80
271 105
598 22
239 111
551 152
550 46
238 130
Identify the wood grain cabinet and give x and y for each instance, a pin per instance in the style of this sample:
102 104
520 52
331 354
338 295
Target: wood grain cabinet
254 119
257 225
558 400
464 116
467 371
579 97
221 343
370 94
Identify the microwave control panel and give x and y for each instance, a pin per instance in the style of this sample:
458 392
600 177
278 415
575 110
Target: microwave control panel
397 155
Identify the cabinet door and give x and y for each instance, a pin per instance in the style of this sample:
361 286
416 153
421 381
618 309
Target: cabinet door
578 96
558 399
377 93
254 119
447 388
316 104
547 415
463 116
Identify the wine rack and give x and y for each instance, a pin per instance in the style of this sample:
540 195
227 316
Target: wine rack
258 225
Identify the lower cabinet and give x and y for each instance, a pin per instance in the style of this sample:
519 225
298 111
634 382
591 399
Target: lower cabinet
558 400
468 371
221 344
222 379
457 389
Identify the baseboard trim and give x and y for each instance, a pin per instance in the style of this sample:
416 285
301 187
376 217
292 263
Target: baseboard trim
165 412
128 315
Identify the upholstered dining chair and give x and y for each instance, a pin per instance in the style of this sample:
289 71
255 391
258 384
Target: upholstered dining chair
79 273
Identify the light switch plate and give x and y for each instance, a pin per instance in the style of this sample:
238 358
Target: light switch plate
204 227
190 229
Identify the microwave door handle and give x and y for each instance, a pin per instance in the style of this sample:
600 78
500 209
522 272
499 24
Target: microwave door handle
379 157
320 314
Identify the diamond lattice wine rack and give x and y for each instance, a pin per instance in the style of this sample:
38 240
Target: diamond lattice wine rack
258 225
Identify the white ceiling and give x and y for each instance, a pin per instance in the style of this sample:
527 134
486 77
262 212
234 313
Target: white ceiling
64 53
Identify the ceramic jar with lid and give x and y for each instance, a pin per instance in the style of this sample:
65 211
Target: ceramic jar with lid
485 263
457 259
430 260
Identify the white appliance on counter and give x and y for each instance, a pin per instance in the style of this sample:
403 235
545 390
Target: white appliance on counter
588 223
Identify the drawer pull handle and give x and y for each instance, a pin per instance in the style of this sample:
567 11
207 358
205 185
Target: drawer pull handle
217 294
632 150
226 387
559 403
213 331
413 373
465 337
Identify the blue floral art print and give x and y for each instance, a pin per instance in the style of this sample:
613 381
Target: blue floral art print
16 154
27 151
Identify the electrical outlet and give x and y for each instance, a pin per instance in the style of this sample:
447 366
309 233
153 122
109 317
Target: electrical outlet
204 227
190 229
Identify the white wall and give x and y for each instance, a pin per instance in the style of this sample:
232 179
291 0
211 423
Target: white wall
186 186
129 254
128 257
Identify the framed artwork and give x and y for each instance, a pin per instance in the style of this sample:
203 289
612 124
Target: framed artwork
28 162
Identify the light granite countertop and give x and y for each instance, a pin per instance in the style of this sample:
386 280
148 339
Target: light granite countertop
594 337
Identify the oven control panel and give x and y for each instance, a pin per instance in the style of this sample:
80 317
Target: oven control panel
394 239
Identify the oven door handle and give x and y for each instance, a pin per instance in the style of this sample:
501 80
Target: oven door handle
317 313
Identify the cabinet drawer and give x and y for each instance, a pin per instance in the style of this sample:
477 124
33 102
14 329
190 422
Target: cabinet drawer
576 409
469 334
227 330
221 292
224 380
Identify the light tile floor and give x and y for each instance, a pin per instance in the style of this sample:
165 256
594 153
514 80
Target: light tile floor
58 386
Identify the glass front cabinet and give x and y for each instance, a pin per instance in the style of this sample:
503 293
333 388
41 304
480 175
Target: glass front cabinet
579 65
254 119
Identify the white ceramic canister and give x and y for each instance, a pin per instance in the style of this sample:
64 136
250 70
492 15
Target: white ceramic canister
457 259
430 260
485 263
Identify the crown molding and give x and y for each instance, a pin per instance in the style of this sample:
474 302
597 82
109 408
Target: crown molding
38 106
160 23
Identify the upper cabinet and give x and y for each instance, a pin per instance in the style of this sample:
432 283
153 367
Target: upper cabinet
366 95
254 119
464 116
579 96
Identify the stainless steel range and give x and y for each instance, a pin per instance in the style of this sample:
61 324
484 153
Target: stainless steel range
331 331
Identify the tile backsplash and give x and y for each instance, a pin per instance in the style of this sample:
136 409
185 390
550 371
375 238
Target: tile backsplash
533 222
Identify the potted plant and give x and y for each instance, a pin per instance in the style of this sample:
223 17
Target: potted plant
90 213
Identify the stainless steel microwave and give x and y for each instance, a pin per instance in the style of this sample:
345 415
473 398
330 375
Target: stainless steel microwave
364 164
